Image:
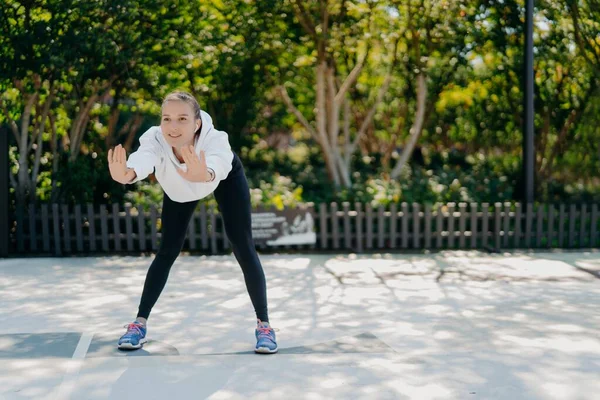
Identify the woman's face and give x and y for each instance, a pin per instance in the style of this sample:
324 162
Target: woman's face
178 124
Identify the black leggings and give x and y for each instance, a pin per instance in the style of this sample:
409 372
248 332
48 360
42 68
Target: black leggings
233 199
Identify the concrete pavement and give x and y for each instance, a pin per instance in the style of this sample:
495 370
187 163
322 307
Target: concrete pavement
449 325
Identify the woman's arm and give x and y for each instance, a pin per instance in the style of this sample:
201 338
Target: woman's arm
146 157
218 154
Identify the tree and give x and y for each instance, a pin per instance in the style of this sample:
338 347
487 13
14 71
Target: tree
60 59
338 31
435 34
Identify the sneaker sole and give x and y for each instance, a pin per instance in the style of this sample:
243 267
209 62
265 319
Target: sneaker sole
265 350
129 346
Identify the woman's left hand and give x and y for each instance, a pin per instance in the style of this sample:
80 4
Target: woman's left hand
197 171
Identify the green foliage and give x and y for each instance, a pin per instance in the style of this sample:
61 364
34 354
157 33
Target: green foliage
282 192
144 195
232 54
86 181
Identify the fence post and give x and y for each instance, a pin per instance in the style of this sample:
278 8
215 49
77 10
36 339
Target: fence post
323 233
4 189
359 227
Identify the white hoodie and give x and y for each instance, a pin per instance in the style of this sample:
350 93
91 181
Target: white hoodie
155 153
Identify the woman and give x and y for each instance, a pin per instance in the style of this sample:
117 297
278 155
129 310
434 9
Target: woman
191 159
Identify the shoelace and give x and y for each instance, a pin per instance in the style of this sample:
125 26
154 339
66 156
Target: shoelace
133 328
265 332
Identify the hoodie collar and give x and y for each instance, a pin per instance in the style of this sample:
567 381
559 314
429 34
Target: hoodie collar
207 123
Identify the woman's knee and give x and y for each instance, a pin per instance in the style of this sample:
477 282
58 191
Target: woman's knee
240 239
168 252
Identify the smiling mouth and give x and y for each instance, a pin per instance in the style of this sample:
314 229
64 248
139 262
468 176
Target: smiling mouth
174 136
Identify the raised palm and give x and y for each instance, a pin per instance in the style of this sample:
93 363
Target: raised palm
117 164
197 171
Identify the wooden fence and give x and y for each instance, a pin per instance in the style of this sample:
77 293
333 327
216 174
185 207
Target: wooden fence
61 229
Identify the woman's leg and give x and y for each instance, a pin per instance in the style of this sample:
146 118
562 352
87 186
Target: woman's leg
233 198
175 219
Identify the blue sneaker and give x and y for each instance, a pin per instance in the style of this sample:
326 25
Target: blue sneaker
265 338
134 338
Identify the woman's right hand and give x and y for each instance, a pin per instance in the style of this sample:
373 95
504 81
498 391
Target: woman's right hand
117 164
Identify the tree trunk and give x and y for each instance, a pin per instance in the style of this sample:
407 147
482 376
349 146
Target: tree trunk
113 120
55 160
415 130
333 119
322 125
135 126
83 116
389 150
546 170
23 144
38 150
347 140
78 127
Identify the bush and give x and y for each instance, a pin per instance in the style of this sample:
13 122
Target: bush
87 180
146 193
282 192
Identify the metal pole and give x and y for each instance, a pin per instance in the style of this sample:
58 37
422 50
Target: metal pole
528 129
4 236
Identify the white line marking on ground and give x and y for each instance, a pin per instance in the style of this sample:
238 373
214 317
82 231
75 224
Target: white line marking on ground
73 367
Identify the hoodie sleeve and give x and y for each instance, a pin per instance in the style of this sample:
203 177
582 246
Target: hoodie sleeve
218 154
146 157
